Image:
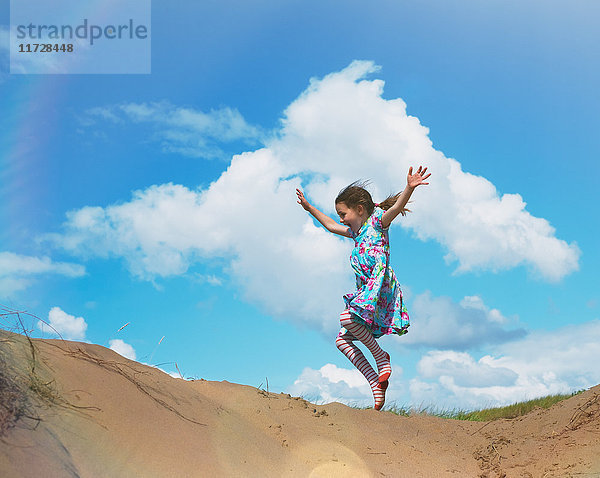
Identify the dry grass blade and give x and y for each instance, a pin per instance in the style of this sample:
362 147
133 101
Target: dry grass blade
586 413
131 374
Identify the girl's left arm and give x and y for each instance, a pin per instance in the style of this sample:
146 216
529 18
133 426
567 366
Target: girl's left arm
412 181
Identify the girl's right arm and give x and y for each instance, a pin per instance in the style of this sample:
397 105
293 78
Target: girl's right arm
324 219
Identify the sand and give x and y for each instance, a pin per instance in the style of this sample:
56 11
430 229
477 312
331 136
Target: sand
86 411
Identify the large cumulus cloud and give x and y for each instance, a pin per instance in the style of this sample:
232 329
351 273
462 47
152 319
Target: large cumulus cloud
339 129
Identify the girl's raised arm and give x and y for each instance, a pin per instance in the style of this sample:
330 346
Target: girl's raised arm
324 219
412 181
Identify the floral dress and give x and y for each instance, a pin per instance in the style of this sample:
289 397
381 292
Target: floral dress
377 302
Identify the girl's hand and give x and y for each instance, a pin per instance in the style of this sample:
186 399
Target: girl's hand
414 180
302 200
324 219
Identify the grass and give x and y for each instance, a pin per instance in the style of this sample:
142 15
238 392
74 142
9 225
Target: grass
510 411
26 384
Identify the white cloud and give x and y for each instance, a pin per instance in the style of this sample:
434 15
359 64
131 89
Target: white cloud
463 369
334 384
17 271
186 131
16 264
342 129
9 286
338 130
122 348
68 326
476 303
543 363
287 265
439 322
207 279
483 230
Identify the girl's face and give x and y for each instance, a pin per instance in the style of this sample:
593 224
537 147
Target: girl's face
350 216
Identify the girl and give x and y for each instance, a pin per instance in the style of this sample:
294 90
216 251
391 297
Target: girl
375 308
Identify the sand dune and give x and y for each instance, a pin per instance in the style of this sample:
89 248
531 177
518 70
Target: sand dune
75 409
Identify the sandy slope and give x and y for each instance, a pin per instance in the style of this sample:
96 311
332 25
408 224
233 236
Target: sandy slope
90 412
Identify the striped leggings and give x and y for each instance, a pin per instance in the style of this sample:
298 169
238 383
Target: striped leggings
345 342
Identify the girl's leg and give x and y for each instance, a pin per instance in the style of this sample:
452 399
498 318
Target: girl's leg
366 337
345 344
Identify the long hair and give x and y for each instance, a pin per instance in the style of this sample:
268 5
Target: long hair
356 193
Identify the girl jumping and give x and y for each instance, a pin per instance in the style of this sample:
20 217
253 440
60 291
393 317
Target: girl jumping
375 308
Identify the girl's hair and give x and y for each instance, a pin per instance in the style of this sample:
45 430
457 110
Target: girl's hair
356 194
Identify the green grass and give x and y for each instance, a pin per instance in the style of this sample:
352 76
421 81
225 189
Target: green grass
487 414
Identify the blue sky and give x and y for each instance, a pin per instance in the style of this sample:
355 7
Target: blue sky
166 200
